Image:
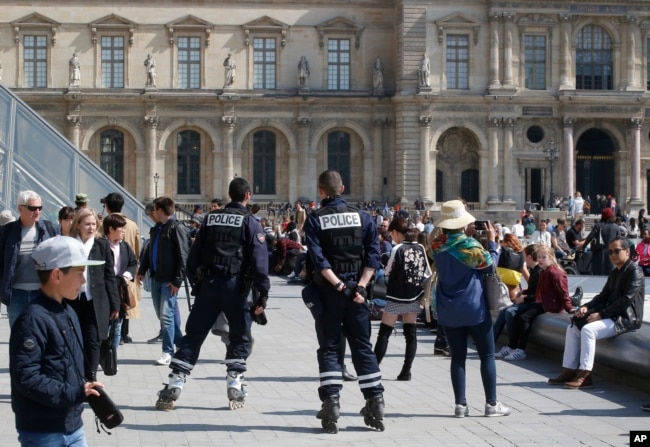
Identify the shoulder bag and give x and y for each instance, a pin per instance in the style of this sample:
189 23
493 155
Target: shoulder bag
496 291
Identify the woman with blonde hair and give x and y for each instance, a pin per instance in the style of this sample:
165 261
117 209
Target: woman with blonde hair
99 301
511 266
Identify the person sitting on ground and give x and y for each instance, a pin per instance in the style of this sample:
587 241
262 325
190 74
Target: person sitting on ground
617 309
552 295
284 255
574 238
541 236
559 240
518 229
511 266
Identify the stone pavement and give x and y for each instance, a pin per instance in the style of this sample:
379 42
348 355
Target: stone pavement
283 399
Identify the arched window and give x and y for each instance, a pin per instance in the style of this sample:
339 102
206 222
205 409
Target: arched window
469 185
264 162
593 59
111 154
338 156
188 145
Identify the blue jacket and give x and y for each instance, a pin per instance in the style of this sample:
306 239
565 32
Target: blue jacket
460 296
46 364
10 238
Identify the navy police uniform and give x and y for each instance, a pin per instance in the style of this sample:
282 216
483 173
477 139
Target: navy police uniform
343 239
229 250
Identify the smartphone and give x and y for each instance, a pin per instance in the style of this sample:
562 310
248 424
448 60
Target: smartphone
481 224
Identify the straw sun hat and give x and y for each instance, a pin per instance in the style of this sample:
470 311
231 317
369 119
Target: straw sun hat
454 216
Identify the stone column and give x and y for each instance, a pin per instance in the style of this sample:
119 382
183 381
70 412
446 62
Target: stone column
493 161
425 178
377 167
304 124
495 20
151 124
507 51
630 57
508 171
568 170
74 129
227 170
635 160
566 81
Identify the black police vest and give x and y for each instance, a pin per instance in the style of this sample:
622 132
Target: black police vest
223 250
342 238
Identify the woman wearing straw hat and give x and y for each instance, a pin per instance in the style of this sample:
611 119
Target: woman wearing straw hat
461 303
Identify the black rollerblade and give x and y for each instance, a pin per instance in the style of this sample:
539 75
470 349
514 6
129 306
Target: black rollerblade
329 414
235 387
172 391
373 412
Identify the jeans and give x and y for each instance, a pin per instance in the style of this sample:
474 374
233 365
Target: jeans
580 345
19 300
484 340
30 439
164 303
118 333
504 319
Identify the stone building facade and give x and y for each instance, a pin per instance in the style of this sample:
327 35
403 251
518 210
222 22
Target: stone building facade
518 99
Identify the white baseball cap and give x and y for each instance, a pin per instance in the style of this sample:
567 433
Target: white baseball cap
61 252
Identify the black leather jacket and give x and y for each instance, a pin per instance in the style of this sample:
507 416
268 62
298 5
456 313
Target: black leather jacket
173 249
622 298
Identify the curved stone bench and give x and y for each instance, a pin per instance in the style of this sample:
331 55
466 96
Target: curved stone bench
624 358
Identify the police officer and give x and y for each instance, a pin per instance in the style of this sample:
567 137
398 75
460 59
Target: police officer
344 253
228 256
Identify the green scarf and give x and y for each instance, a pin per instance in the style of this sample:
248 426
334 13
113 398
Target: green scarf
466 249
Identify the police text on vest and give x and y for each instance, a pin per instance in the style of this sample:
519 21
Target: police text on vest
343 220
225 220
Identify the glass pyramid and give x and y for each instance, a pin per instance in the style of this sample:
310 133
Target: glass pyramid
33 155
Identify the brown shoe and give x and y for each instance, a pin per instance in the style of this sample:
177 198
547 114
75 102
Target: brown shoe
567 375
582 381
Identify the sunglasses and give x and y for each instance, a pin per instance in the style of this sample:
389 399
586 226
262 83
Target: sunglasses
615 251
33 208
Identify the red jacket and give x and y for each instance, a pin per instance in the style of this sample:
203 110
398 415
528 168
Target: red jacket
553 290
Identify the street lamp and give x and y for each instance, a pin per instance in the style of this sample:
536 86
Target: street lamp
156 179
551 153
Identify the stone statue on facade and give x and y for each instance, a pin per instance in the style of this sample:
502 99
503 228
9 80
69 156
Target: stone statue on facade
303 72
229 67
378 74
424 71
150 70
75 70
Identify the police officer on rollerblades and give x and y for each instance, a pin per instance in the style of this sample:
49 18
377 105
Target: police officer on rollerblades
344 253
228 257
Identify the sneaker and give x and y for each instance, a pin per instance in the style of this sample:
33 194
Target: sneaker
442 350
505 351
496 410
517 354
461 411
164 359
291 275
156 339
645 407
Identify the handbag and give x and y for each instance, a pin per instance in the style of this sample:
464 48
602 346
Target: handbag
107 354
496 291
579 322
105 410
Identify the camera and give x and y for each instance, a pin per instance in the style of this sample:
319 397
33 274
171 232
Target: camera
481 224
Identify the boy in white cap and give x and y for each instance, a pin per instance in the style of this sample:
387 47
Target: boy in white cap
46 359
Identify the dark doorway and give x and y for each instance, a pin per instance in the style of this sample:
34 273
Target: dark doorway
534 186
469 185
595 164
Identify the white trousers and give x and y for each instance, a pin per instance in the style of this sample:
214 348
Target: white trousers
580 345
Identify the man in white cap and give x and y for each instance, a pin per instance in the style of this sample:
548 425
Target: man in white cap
46 359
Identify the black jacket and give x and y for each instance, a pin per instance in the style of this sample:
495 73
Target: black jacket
46 366
622 297
173 249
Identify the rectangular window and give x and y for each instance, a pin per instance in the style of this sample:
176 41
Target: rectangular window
263 63
112 61
189 62
338 64
535 54
35 57
457 67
